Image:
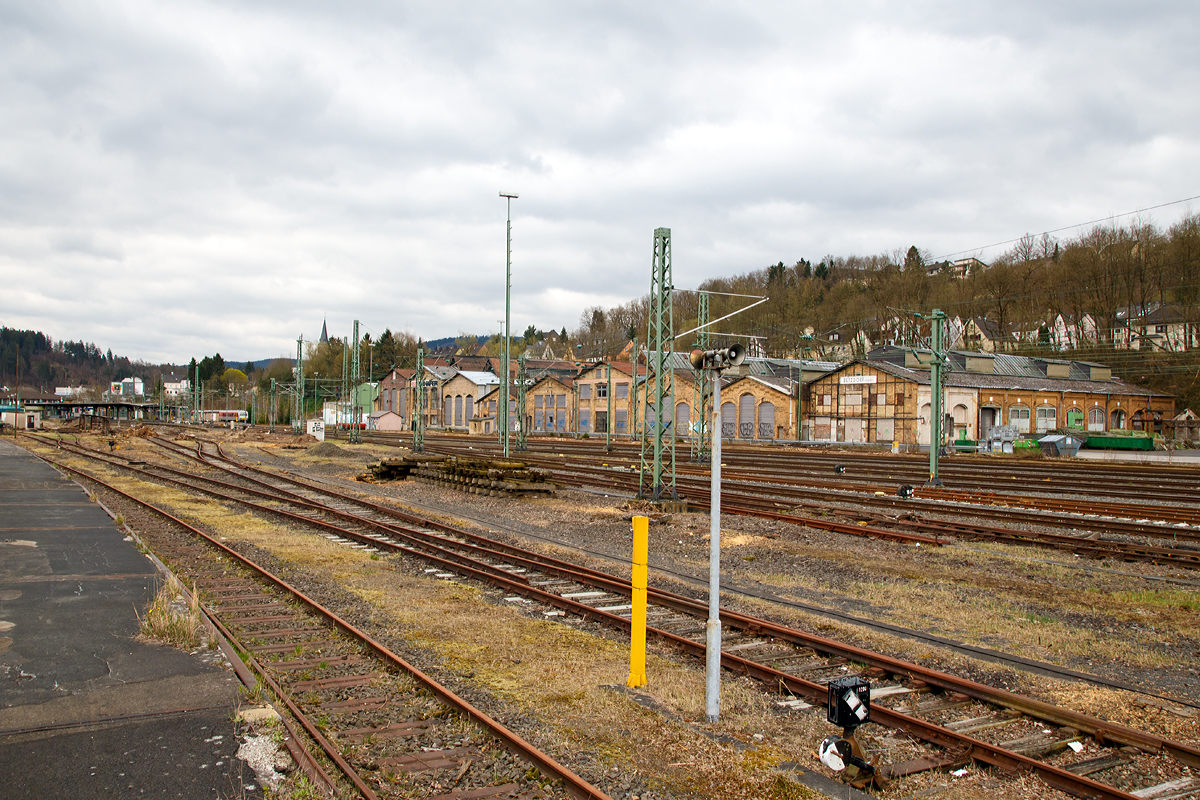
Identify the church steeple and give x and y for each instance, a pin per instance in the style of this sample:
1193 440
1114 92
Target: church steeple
324 333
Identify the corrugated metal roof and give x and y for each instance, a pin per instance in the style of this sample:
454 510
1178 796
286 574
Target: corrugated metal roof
1023 383
776 367
480 378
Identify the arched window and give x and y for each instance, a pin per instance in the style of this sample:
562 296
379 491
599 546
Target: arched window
1019 416
1096 419
1116 420
458 411
1047 418
766 420
469 407
1138 421
683 419
746 416
728 420
448 410
1074 417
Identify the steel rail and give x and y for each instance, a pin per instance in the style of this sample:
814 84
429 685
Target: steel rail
791 489
933 734
1179 480
746 504
1104 731
574 784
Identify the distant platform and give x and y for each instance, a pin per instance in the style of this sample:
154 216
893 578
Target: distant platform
1189 457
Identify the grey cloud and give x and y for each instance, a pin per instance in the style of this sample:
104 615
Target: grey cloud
346 159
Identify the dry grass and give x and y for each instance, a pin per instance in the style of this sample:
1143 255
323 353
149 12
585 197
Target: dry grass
1179 599
562 687
174 620
488 647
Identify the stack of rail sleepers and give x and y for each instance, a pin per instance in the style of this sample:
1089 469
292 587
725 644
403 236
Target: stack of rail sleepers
394 469
483 476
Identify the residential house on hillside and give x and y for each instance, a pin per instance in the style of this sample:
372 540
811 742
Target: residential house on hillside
1067 332
841 344
961 268
1168 328
979 333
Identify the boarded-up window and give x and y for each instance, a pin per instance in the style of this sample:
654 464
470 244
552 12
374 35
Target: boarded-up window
448 410
560 401
621 421
854 399
728 420
458 409
622 390
469 409
766 421
746 416
585 391
682 418
585 419
826 399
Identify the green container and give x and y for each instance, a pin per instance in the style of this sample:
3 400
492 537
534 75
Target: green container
1119 443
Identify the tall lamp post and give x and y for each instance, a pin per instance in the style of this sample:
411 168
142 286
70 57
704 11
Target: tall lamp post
505 426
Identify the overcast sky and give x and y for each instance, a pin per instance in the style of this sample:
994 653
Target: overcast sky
182 178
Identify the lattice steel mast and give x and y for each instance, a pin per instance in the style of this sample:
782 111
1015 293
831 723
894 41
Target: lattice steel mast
418 441
701 448
298 396
522 441
657 479
355 380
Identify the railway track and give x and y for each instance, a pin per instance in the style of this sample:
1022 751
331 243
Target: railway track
900 520
1135 482
1170 487
389 728
953 720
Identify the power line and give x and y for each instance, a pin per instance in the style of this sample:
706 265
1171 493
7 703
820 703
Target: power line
1069 227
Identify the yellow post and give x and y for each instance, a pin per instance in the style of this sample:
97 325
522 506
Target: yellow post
637 622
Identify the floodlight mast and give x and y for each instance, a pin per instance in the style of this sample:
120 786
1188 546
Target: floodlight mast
509 197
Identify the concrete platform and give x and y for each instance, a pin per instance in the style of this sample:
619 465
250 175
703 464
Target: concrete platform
86 710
